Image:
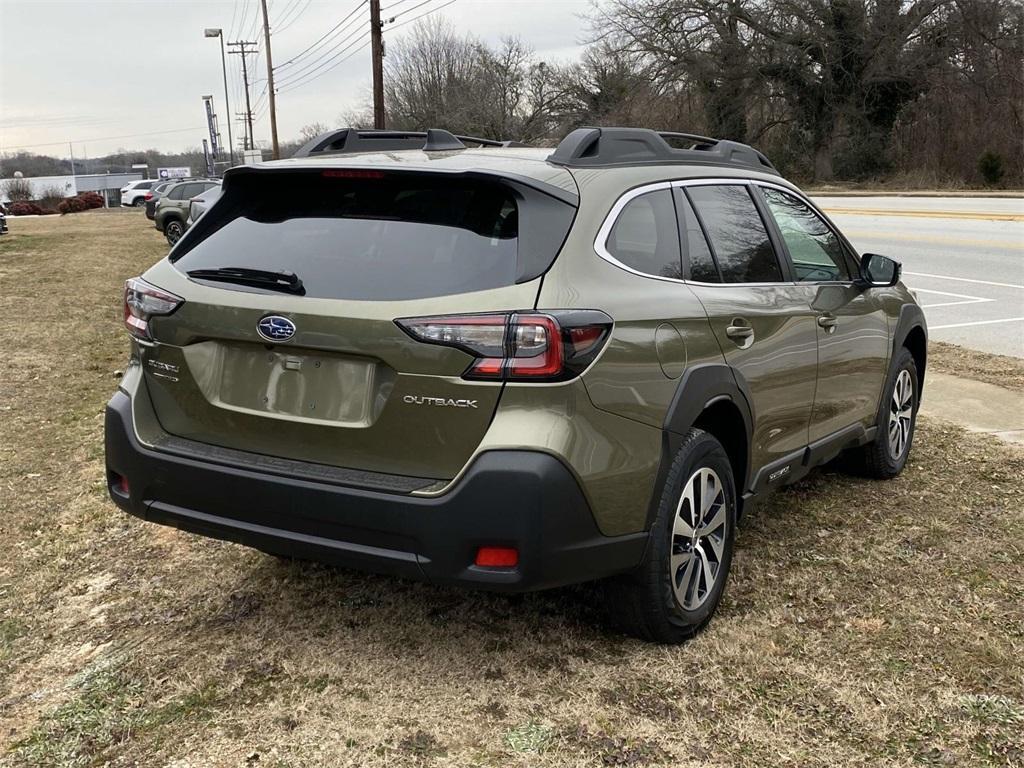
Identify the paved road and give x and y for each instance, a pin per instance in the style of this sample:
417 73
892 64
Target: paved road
964 257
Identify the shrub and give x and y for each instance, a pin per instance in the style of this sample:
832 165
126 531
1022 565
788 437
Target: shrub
18 190
50 197
71 205
92 199
991 167
21 208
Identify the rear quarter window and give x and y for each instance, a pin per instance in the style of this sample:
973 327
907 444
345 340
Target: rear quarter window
645 236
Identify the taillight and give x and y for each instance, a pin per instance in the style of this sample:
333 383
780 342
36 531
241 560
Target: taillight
141 302
522 346
148 196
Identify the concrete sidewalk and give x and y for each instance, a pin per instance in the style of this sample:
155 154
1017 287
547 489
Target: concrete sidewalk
975 405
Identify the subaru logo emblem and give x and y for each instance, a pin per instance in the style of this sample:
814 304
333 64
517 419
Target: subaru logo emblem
275 328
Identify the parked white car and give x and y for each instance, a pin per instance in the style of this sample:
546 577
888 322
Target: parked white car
133 194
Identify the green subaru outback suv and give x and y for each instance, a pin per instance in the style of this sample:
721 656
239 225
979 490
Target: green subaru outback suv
510 368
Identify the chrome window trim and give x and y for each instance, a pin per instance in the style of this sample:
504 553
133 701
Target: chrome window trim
828 223
600 242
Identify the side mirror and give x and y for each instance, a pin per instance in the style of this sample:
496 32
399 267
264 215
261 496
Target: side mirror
878 271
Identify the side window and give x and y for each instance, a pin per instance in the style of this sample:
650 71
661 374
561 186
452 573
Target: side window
740 241
698 263
645 236
176 192
815 250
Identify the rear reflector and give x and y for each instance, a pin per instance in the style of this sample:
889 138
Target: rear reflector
120 483
497 557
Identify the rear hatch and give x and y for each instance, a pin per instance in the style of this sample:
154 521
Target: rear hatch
312 366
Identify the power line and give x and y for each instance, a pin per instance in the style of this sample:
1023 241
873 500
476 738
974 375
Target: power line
102 138
387 8
417 18
231 26
328 34
282 25
339 48
298 84
241 18
252 29
408 10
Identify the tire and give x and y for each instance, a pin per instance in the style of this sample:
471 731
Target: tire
886 456
139 203
173 230
668 599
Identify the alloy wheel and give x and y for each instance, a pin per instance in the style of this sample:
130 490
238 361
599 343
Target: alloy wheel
901 411
173 232
699 533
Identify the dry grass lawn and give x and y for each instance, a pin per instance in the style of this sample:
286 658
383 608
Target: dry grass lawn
866 624
1001 370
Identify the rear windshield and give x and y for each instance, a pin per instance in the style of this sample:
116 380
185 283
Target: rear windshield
370 237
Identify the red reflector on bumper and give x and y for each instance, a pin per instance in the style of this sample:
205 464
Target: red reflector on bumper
497 557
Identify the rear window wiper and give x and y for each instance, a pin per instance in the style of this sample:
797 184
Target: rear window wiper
282 280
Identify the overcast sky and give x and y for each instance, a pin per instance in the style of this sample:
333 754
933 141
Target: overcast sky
131 74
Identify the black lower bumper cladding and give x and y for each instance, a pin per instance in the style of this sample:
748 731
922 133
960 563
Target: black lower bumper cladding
523 499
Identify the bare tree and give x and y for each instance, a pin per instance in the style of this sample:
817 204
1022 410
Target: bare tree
438 78
843 68
309 132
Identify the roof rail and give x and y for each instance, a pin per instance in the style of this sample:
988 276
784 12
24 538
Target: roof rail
601 147
349 140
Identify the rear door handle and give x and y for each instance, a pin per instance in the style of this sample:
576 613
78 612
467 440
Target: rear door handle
740 332
828 322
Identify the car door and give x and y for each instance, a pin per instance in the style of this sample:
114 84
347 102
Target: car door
762 321
187 192
851 325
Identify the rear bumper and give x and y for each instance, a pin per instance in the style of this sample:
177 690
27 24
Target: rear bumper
523 499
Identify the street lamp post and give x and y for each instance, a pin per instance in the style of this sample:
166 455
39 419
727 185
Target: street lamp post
209 32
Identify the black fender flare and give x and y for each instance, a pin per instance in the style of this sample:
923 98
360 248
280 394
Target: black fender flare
701 386
911 316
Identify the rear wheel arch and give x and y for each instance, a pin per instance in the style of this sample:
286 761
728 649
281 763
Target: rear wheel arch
710 398
168 218
723 419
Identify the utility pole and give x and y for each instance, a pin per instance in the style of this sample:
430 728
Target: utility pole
270 82
377 54
249 143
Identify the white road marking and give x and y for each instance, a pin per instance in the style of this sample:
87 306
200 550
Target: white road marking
976 322
965 280
954 303
966 299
